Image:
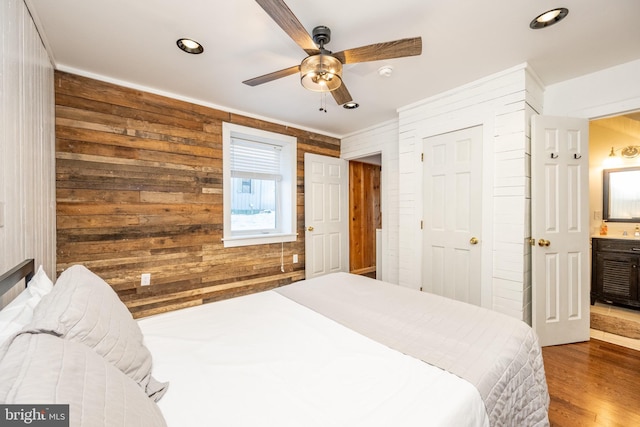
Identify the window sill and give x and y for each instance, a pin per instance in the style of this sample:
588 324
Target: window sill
232 242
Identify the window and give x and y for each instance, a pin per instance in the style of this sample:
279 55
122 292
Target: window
245 186
259 186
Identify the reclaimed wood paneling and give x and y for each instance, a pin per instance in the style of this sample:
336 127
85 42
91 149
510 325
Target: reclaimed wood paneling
139 190
365 216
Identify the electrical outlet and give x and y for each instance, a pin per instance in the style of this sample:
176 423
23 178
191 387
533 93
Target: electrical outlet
145 279
295 258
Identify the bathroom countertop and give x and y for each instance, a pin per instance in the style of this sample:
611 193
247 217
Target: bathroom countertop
616 236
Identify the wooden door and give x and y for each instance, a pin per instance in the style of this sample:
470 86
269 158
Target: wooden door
452 239
364 216
560 229
325 210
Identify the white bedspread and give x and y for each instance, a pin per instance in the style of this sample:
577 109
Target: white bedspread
264 360
498 354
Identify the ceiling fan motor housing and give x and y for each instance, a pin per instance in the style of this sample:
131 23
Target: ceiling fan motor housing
321 35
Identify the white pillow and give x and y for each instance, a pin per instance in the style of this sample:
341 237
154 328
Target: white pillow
85 309
19 312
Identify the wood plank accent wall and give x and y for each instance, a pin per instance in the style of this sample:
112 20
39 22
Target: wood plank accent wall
139 190
365 216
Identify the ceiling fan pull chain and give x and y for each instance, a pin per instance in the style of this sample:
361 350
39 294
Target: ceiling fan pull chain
323 102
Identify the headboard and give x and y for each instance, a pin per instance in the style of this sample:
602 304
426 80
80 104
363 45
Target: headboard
23 270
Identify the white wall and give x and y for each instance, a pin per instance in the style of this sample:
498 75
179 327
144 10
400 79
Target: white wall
382 139
502 104
27 143
604 93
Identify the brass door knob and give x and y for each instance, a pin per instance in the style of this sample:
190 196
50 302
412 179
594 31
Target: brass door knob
543 242
310 228
473 240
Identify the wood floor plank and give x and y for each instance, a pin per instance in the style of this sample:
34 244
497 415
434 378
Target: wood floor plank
593 384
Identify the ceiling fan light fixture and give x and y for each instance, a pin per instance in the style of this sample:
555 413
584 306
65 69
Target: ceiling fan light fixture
321 73
548 18
190 46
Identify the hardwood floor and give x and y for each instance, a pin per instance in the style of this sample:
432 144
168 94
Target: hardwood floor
593 384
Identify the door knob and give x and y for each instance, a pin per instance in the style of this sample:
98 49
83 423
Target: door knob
310 228
543 242
473 240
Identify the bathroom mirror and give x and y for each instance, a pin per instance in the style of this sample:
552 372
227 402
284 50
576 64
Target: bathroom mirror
621 194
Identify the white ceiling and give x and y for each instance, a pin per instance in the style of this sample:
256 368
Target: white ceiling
133 42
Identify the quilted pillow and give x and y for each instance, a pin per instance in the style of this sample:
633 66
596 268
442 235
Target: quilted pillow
84 308
44 369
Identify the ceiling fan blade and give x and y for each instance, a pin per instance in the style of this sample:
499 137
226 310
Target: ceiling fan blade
375 52
280 12
272 76
341 95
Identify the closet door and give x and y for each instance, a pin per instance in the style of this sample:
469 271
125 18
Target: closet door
453 214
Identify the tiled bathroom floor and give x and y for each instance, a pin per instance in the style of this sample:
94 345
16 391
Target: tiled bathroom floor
617 325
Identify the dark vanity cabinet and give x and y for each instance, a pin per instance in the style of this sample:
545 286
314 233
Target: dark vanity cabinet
615 267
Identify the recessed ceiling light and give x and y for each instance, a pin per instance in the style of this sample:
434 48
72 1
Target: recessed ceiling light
350 105
548 18
190 46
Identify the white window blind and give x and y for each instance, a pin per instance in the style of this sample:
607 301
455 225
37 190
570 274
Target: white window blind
250 159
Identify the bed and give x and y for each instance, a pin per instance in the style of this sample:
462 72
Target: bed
338 350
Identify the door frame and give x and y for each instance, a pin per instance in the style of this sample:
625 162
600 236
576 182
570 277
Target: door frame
356 217
382 251
601 107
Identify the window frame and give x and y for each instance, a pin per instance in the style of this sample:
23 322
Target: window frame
287 206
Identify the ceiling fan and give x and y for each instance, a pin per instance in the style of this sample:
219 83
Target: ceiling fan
321 70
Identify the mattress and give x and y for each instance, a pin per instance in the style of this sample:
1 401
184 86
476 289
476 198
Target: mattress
266 360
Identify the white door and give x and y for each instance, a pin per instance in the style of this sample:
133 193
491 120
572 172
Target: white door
560 229
326 208
452 227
